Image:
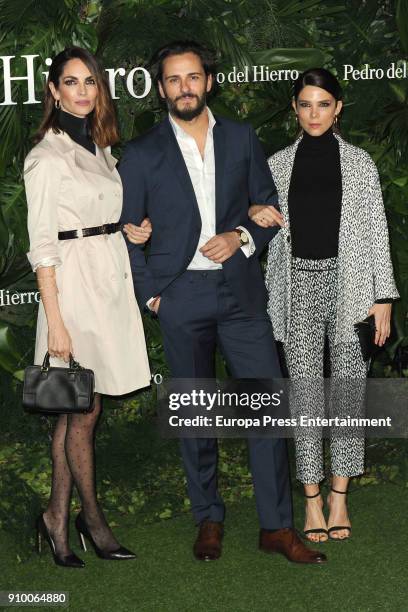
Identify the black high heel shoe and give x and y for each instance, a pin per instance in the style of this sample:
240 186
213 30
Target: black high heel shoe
120 554
43 533
339 527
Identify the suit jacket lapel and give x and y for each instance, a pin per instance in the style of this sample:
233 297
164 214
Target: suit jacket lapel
219 163
176 160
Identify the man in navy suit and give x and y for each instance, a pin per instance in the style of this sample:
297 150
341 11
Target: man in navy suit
195 176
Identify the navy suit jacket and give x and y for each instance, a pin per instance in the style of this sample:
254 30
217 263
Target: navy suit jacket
156 183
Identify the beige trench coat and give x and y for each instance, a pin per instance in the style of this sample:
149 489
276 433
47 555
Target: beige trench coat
69 188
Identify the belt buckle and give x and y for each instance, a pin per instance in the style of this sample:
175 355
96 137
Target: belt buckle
104 229
80 233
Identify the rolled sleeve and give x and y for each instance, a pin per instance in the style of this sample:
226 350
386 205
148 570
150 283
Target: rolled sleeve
42 184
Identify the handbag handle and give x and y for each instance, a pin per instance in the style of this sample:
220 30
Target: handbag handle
73 365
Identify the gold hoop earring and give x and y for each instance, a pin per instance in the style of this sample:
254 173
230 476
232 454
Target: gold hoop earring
57 104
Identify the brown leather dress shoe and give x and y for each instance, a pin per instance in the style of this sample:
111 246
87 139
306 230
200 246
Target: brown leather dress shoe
287 542
207 546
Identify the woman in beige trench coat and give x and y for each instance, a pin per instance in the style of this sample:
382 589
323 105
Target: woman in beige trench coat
87 307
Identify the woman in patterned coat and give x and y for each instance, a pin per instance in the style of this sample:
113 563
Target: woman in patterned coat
328 268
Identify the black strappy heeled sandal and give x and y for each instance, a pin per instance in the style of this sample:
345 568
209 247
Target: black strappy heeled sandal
339 527
318 530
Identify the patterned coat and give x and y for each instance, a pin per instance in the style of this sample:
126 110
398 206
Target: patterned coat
365 270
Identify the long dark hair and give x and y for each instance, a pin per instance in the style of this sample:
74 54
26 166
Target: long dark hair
102 120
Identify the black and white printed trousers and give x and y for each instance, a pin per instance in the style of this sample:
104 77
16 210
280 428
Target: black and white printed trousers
313 318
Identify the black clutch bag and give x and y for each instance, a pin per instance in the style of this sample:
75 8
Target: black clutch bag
365 331
49 390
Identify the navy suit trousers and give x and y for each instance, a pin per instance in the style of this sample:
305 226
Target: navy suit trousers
198 312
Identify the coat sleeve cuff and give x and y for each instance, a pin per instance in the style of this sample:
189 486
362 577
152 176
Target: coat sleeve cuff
44 262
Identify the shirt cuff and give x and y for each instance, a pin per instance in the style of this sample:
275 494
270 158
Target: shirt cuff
249 248
149 302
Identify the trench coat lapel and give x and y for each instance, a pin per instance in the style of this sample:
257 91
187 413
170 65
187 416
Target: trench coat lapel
110 159
103 163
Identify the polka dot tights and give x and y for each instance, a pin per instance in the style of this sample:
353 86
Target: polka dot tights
73 463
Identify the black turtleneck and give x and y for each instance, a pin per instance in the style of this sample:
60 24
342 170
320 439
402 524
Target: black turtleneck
315 194
77 129
314 199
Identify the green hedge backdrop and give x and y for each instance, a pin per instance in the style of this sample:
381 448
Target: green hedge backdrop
146 478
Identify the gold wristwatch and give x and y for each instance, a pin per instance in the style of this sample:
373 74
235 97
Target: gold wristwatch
243 236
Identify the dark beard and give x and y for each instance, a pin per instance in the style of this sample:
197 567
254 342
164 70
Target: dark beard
190 113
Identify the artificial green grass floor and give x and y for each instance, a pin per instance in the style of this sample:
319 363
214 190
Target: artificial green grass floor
367 573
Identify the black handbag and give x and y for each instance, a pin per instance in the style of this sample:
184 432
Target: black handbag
365 331
50 390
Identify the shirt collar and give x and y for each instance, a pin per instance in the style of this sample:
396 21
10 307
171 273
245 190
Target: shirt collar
178 130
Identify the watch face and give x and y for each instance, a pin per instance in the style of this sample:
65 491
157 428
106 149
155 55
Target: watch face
244 238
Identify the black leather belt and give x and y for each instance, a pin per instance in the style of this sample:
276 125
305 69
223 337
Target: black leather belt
108 228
